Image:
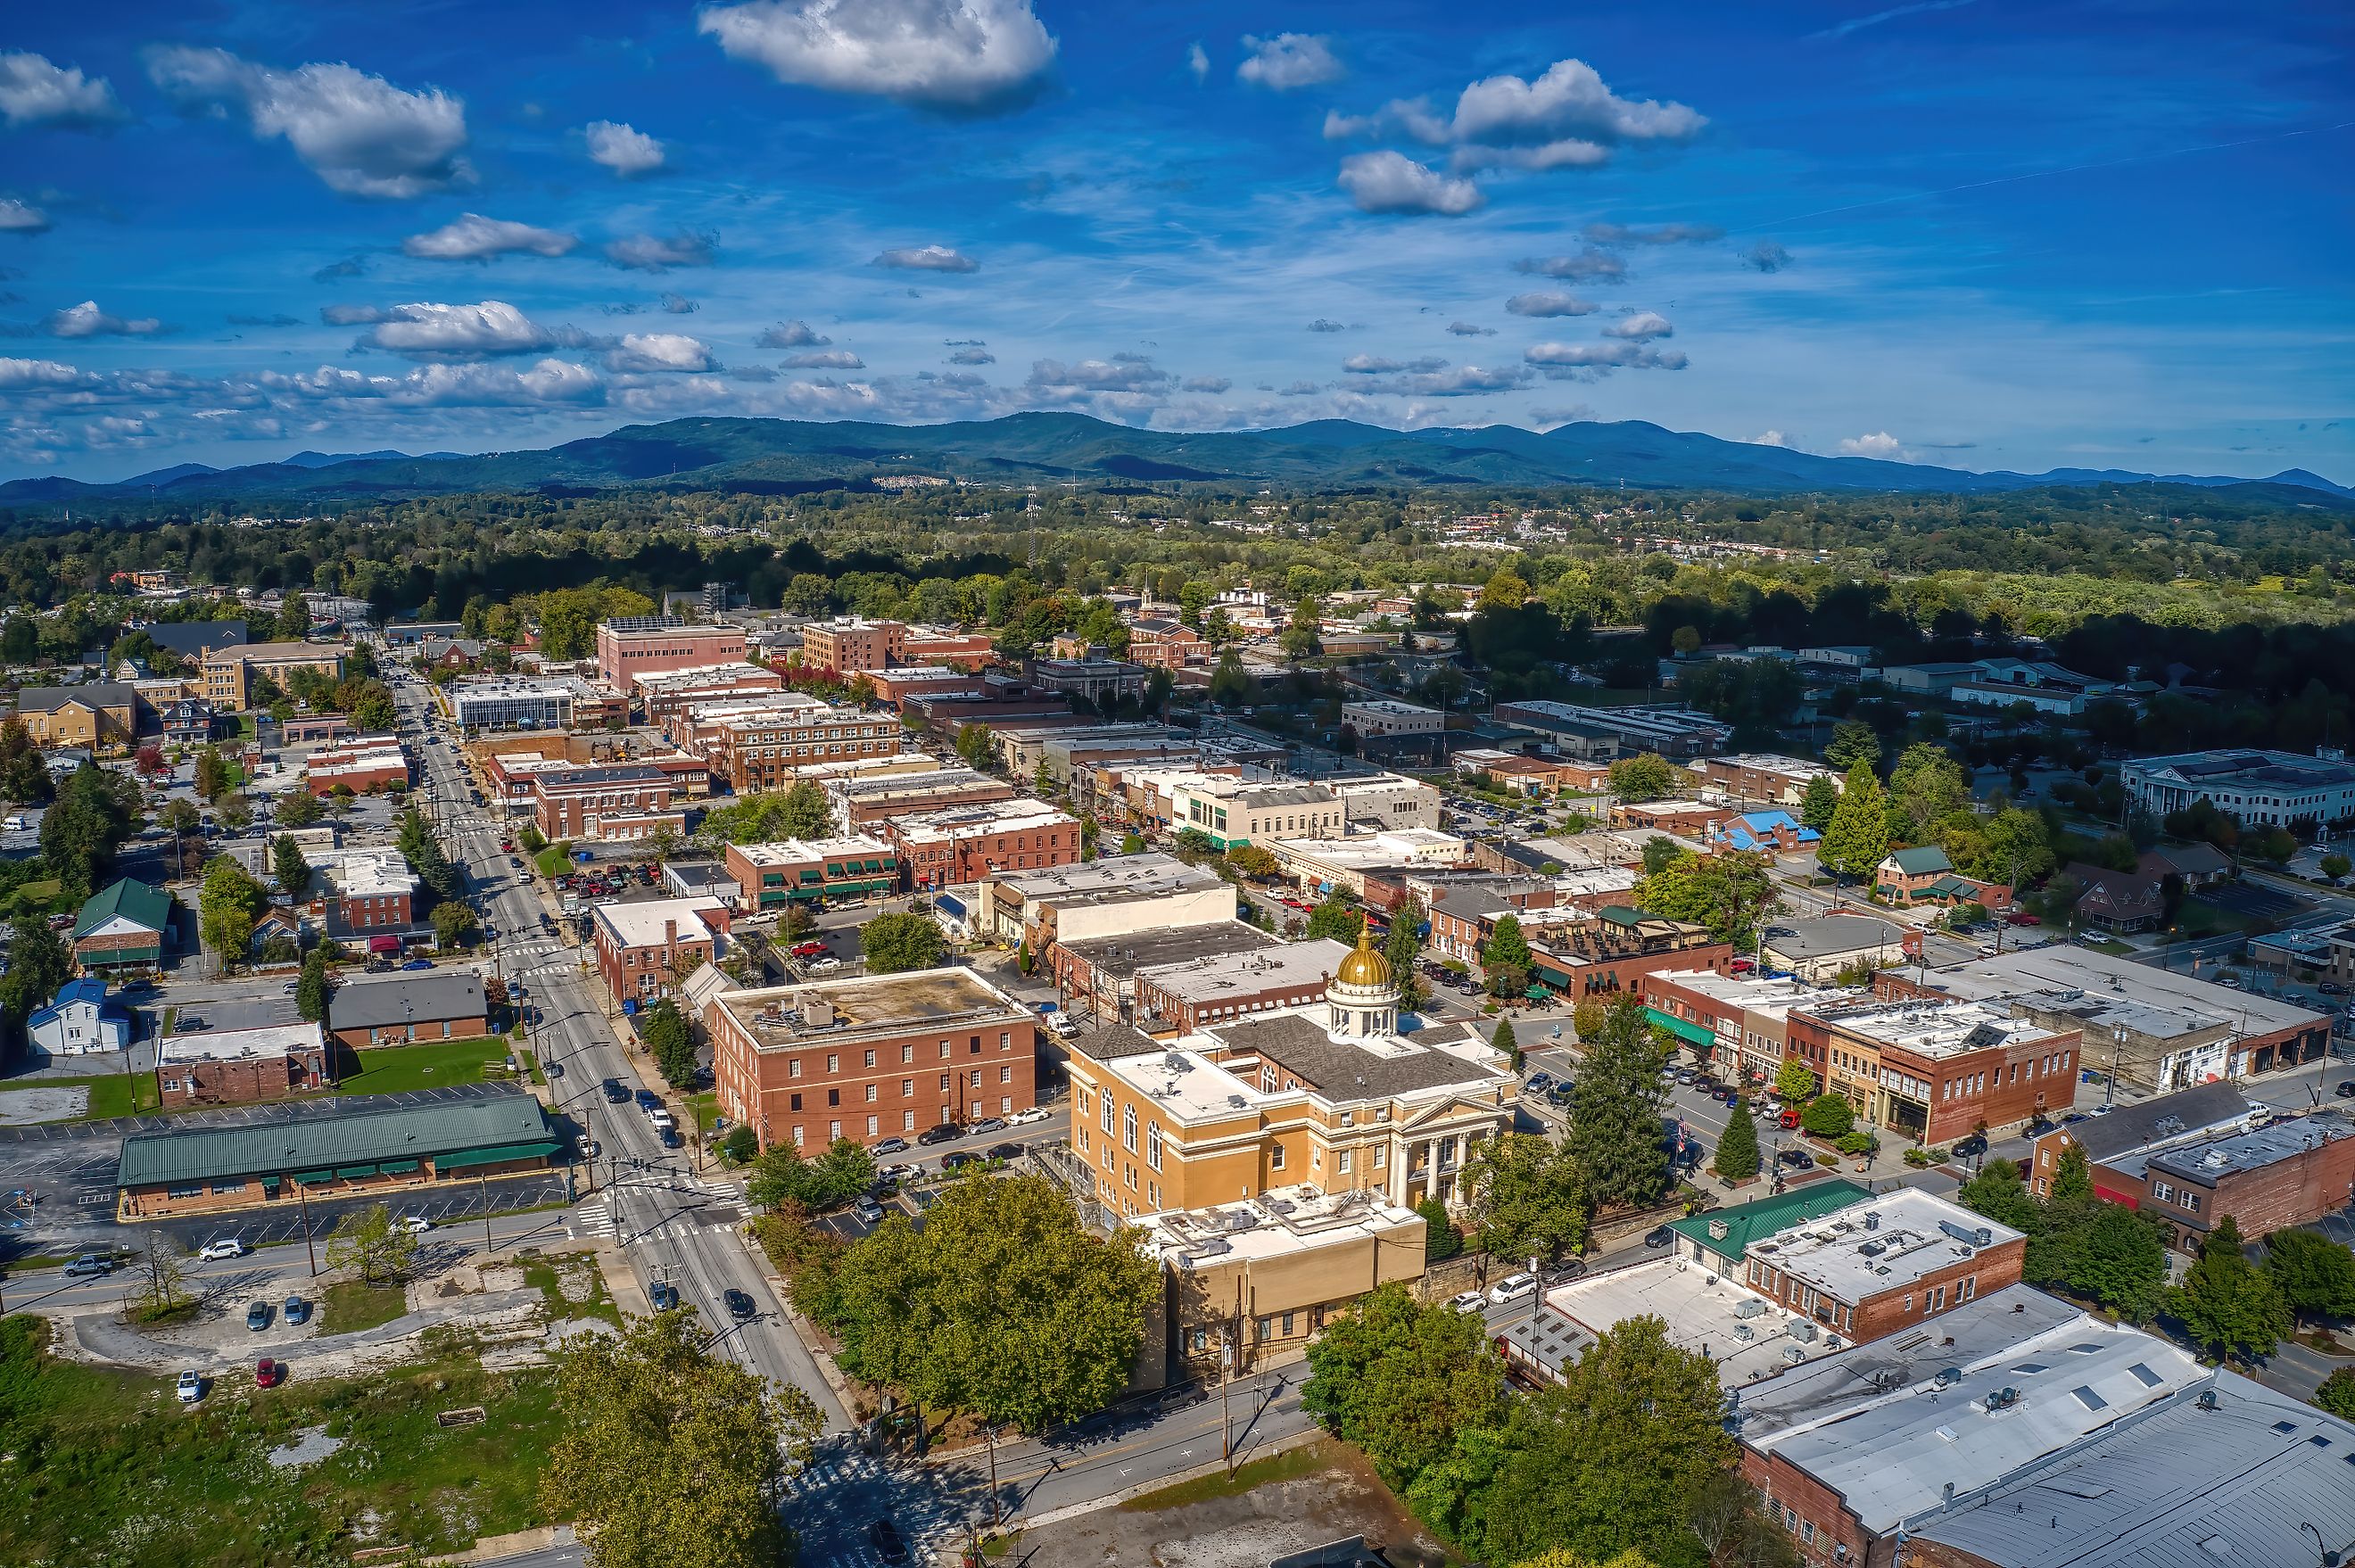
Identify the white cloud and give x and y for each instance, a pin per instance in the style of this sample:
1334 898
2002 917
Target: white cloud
1569 99
1880 444
1549 302
1461 381
1571 153
463 386
427 331
358 133
1659 234
33 91
654 254
17 375
791 335
473 238
1548 419
952 56
834 359
1213 385
1467 329
927 259
1123 375
972 355
1588 266
659 351
627 152
1393 182
1588 361
1198 62
1776 438
1288 60
21 218
86 320
1641 327
679 304
1375 365
353 314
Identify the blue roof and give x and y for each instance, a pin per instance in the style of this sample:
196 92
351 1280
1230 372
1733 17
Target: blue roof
1767 821
85 989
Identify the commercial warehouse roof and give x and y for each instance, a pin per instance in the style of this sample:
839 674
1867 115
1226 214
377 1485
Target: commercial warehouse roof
1729 1231
347 1142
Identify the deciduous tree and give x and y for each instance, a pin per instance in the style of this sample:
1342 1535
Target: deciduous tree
229 903
2315 1275
1399 1379
1795 1081
896 942
2226 1304
1525 1198
371 1242
38 962
1647 777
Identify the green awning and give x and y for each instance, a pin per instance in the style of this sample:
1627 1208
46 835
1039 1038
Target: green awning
269 1184
395 1166
351 1170
498 1154
875 886
313 1178
1677 1026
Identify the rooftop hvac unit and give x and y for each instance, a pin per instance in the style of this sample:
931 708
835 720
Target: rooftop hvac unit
1794 1355
1750 1307
1803 1331
1948 1376
818 1012
1872 1221
1969 1235
1873 1249
1719 1229
1744 1333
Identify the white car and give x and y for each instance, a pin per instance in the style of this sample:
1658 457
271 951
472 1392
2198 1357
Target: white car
1468 1301
1511 1286
416 1224
190 1388
226 1247
820 965
1024 1118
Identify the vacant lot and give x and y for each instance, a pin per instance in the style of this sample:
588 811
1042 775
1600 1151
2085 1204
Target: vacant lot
110 1469
398 1068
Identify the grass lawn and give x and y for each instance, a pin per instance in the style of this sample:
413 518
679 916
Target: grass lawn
705 1107
396 1068
586 1297
109 1470
347 1305
554 860
1292 1465
114 1094
2111 945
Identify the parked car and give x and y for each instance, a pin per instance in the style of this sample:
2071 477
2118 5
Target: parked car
819 965
1787 1120
808 949
739 1305
267 1373
416 1224
1969 1147
1797 1156
416 964
959 1160
614 1093
664 1296
91 1265
1003 1151
1659 1236
891 1146
885 1538
1511 1286
648 1100
945 1132
670 1138
866 1212
1024 1118
189 1023
257 1317
1468 1301
190 1387
987 1125
224 1247
2345 1090
893 1175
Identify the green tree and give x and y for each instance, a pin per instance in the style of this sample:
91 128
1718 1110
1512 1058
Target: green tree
1525 1197
2073 1179
212 773
1003 1305
742 1145
672 1454
1925 788
2227 1306
299 809
1795 1081
779 1175
1858 839
84 828
2315 1275
369 1241
1505 957
288 868
38 962
1441 1239
1828 1116
311 989
1729 891
973 745
1299 638
1616 1106
2113 1255
1504 1040
24 780
1399 1379
1853 741
1336 919
1252 860
2337 1393
2336 865
1647 777
668 1041
229 903
803 812
896 942
1737 1147
1819 803
1402 947
1231 686
454 925
1997 1192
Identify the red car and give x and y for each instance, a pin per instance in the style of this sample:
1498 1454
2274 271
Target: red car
267 1373
1787 1120
1743 966
808 949
2021 917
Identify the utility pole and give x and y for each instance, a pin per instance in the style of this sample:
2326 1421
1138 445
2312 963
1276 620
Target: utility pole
483 1185
303 1202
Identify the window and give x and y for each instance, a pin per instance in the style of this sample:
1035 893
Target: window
870 1059
906 1054
796 1100
871 1127
1343 1160
1287 1325
1153 1145
793 1068
833 1064
1276 1157
1106 1098
944 1082
1006 1075
1128 1128
870 1093
907 1121
798 1135
907 1088
945 1048
975 1080
1005 1040
833 1131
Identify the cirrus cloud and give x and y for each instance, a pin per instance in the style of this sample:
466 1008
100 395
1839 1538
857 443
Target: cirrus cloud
475 238
628 151
1391 182
1289 61
34 91
359 134
1658 234
927 259
959 56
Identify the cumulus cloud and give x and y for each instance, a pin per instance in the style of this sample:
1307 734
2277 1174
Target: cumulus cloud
1054 380
658 351
427 331
974 356
1766 257
1198 62
679 304
1459 381
362 135
1776 438
829 359
1880 444
33 91
1659 234
656 253
473 238
1211 384
1288 61
1375 365
793 335
1393 182
927 259
445 386
963 56
1641 327
1466 329
22 218
353 315
1590 362
1571 153
1565 118
1548 302
18 375
86 320
1322 324
629 153
1547 418
349 267
1587 266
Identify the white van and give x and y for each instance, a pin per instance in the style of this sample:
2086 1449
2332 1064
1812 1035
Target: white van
13 823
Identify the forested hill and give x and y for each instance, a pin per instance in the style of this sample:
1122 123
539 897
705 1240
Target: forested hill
783 456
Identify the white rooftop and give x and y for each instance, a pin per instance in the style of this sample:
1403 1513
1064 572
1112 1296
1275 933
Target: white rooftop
2063 966
1748 1336
1246 974
641 924
238 1044
368 873
1284 1223
798 852
954 822
1772 997
1879 1245
1934 1029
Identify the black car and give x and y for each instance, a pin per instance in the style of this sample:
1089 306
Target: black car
1002 1151
1797 1156
2043 1125
1967 1148
614 1093
2345 1090
884 1536
1659 1236
665 1295
739 1305
945 1132
959 1160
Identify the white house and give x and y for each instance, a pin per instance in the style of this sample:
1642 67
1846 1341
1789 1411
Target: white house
80 1021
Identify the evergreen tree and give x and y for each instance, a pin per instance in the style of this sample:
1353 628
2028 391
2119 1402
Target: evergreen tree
311 990
1403 948
1616 1106
38 962
1858 839
1817 805
2074 1179
668 1042
805 814
1737 1149
1505 958
288 868
2315 1275
1503 1041
1853 741
1440 1237
2227 1306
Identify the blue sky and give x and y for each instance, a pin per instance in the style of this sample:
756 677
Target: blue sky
1981 233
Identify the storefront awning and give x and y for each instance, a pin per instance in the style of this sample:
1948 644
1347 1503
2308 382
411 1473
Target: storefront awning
498 1155
352 1171
1679 1027
384 945
313 1178
395 1166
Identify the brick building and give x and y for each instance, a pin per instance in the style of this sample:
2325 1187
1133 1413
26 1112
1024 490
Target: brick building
755 751
1889 1263
650 645
1936 1071
868 799
666 692
2287 1172
624 803
2114 1144
407 1009
966 651
1100 975
237 1066
1756 776
840 647
99 716
644 950
967 843
1604 955
1159 643
1735 1023
776 874
875 1057
1190 994
230 675
366 891
365 764
1529 775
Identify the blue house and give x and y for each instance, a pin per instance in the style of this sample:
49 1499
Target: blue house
1775 832
83 1019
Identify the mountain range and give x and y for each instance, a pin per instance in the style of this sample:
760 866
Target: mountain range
785 455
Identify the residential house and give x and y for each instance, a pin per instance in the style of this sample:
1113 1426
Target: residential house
124 930
81 1020
2116 900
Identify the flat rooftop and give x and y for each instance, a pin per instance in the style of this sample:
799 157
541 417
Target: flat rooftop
801 851
1773 997
2209 1159
1247 973
1176 948
1934 1029
1111 881
641 924
1871 1248
238 1044
2065 967
1749 1336
953 822
795 1017
1187 1085
1284 1223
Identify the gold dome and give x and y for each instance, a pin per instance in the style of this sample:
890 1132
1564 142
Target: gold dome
1365 966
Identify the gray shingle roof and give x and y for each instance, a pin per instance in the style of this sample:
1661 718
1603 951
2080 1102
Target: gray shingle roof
2149 1122
1343 1072
384 1000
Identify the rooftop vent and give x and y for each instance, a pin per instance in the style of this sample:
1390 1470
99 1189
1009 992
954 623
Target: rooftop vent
1872 1221
1969 1235
1948 1376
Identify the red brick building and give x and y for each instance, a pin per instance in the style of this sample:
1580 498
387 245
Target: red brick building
1158 643
625 803
881 1056
369 891
650 645
644 950
966 651
232 1067
364 765
776 874
863 802
965 844
838 647
1934 1255
754 752
1937 1071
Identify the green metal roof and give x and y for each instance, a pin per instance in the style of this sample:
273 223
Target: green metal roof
496 1156
1760 1217
312 1144
1921 860
134 900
